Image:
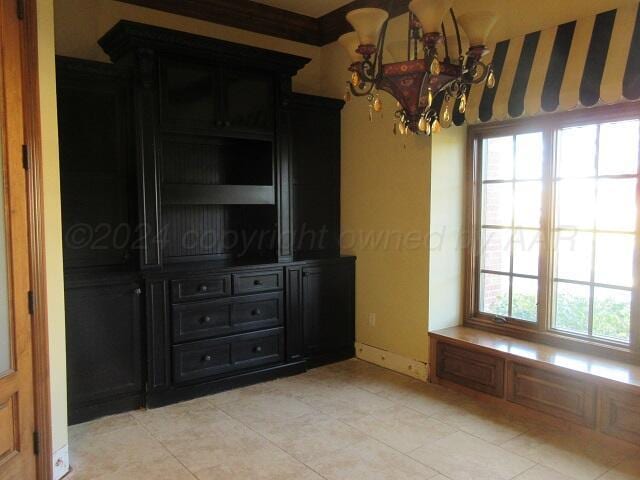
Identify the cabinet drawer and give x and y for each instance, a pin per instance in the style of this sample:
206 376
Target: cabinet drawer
479 371
257 312
563 396
259 348
201 359
200 288
620 414
257 282
201 320
209 358
193 321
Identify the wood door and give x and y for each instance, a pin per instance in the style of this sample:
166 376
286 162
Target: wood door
17 460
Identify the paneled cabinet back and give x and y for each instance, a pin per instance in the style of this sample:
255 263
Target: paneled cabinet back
212 144
96 150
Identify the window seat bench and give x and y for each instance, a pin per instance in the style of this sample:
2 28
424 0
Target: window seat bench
583 389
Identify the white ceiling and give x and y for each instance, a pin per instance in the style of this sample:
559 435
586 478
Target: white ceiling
312 8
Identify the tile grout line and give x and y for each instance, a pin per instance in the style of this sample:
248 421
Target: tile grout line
441 421
274 444
195 477
380 441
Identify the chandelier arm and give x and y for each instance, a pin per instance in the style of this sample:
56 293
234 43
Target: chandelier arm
378 61
361 93
476 79
409 35
368 71
457 27
446 44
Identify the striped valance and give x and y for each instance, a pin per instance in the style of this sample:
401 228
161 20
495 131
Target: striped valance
595 60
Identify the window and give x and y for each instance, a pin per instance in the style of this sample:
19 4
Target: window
555 223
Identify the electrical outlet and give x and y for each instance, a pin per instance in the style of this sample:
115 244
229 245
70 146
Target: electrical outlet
372 319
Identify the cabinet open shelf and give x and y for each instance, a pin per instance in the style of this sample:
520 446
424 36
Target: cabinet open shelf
174 194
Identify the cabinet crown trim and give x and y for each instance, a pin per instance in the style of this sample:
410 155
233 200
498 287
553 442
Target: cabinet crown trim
127 36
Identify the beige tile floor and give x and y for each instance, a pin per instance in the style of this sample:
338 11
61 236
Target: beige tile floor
347 421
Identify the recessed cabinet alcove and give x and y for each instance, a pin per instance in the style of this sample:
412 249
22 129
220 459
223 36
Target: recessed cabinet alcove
220 189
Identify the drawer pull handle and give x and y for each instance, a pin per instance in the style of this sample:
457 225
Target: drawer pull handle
203 288
258 349
256 312
207 359
257 282
206 319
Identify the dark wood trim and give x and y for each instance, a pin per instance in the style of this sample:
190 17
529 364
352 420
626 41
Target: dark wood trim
334 24
276 22
244 14
33 140
542 332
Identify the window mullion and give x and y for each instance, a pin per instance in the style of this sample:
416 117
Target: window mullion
545 266
592 290
634 334
513 222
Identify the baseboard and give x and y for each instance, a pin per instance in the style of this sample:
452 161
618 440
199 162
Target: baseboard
392 361
61 463
111 406
189 392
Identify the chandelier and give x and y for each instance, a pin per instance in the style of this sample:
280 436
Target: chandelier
427 78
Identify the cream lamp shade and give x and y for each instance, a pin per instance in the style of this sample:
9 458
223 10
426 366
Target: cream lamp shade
430 13
350 42
452 42
478 26
367 22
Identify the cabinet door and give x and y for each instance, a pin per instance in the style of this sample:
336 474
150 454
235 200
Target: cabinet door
315 154
96 171
248 98
327 316
104 352
189 96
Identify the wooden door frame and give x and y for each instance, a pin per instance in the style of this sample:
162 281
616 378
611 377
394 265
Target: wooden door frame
33 140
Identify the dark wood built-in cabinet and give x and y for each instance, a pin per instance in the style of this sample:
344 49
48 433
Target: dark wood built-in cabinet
218 191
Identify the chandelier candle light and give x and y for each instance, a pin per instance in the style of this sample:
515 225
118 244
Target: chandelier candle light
418 83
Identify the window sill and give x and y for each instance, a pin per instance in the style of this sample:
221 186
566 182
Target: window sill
617 372
572 345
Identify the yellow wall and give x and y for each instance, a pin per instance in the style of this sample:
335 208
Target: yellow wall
53 224
385 222
446 269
